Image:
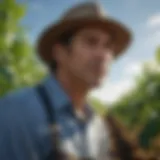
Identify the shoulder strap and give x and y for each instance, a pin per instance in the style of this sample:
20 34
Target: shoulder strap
46 103
124 147
51 118
127 148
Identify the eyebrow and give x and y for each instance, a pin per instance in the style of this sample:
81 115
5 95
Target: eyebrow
90 33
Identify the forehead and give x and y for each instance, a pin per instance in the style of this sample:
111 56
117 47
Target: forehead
94 32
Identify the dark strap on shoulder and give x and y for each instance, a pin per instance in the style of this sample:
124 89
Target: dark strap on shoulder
46 103
50 115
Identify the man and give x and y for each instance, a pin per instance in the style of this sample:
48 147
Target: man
78 51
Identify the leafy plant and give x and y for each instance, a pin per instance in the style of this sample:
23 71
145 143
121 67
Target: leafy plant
18 64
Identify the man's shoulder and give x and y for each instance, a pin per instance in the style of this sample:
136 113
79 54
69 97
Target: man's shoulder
16 104
23 124
20 96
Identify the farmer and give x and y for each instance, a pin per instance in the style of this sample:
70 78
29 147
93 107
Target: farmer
53 120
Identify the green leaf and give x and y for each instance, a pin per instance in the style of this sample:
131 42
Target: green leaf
19 11
150 131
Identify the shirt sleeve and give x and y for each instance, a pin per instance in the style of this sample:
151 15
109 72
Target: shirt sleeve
16 143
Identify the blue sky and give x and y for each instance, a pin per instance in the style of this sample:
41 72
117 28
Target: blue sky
142 16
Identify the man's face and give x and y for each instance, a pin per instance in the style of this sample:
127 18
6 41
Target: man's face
89 55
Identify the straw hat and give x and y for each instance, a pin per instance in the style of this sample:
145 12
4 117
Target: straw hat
79 16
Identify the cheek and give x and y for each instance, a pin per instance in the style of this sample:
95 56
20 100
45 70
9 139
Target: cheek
78 63
81 58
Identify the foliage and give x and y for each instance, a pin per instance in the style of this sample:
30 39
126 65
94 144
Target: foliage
141 107
17 62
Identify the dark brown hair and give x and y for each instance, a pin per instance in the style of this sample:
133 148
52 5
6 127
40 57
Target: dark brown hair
65 40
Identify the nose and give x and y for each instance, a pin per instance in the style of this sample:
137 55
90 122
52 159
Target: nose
102 53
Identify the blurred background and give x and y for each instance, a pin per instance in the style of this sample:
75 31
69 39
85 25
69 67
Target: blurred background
131 91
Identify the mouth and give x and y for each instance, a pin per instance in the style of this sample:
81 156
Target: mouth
99 69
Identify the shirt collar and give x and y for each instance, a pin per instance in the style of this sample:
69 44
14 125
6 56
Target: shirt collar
60 100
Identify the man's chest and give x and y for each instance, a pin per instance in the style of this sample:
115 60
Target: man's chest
78 139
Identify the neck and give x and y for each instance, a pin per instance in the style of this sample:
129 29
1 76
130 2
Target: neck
74 87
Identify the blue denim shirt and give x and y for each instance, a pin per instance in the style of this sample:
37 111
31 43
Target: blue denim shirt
24 131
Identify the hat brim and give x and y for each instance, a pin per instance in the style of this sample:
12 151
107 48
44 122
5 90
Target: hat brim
122 35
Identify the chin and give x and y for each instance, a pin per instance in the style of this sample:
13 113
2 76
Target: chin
95 84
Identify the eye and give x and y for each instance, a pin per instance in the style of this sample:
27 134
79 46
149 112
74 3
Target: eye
109 46
91 41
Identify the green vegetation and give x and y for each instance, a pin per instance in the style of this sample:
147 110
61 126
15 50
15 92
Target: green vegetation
18 64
